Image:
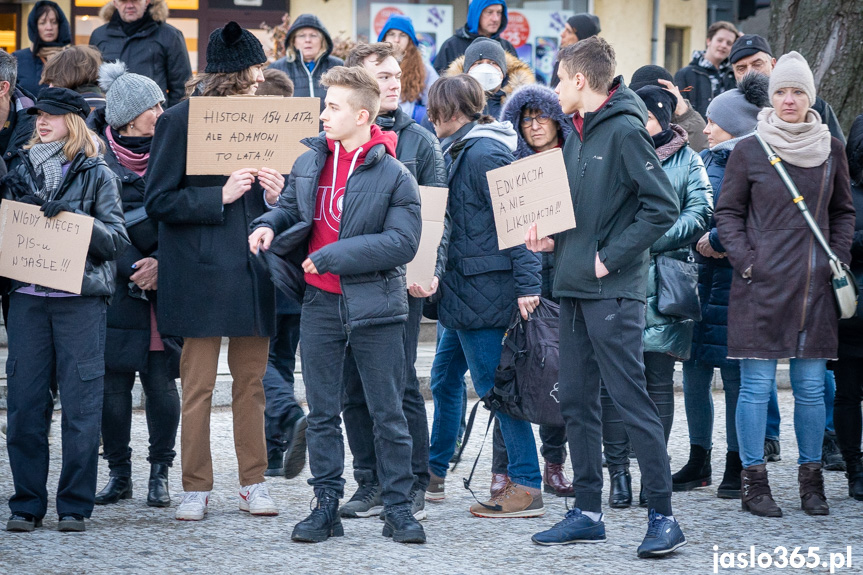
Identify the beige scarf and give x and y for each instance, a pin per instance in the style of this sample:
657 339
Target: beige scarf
805 144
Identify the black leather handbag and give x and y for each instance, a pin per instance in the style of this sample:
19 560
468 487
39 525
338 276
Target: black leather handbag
677 295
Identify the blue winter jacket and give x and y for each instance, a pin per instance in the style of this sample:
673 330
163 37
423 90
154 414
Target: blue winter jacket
482 283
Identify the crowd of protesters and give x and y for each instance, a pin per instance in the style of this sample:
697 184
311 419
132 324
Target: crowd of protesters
663 171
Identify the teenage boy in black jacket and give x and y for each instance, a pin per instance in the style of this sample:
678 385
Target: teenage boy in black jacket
353 212
623 203
420 152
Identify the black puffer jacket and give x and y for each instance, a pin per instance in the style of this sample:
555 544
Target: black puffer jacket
157 51
307 84
697 76
482 283
127 340
379 233
29 64
92 189
209 283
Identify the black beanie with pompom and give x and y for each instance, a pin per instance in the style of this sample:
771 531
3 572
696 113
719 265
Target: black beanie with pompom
233 49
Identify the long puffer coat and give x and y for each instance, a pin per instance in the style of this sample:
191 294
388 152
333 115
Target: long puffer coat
685 171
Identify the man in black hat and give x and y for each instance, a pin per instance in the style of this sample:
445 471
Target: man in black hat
751 53
578 27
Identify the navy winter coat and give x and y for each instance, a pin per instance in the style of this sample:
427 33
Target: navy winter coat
482 283
29 64
209 283
379 233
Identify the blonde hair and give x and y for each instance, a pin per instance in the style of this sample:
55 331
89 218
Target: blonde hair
366 92
291 53
80 138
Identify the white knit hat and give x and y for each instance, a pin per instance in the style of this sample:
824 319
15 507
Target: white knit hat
792 71
127 95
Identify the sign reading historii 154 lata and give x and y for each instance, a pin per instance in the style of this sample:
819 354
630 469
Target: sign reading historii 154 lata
228 134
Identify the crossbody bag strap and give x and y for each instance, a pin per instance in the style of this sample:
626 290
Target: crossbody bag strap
776 162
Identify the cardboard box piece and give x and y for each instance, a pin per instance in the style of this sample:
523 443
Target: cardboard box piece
421 269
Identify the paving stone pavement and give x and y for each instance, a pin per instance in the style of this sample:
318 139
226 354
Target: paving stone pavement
132 538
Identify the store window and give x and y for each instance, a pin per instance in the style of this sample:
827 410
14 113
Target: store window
674 38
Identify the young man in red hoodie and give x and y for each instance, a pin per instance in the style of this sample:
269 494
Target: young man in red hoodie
351 215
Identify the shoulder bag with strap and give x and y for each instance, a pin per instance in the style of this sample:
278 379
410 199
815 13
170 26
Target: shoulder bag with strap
844 286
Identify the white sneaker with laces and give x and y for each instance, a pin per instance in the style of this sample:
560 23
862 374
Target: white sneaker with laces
256 500
193 507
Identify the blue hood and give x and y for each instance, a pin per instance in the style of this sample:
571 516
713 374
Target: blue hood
476 8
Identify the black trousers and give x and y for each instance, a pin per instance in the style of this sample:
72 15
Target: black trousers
601 340
659 373
847 417
358 421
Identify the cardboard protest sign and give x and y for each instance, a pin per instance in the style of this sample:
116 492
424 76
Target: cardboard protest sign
227 134
46 252
421 269
533 189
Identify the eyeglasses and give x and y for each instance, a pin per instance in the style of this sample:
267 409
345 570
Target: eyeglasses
310 36
542 120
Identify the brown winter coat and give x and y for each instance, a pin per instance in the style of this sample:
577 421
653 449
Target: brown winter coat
782 303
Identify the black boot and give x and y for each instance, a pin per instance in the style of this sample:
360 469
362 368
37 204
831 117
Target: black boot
696 473
117 488
642 498
400 524
730 486
323 522
854 474
831 457
620 495
157 491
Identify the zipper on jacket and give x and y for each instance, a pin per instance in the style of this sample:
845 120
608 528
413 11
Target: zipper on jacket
311 79
808 293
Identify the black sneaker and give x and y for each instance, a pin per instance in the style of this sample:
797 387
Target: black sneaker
22 522
664 536
400 524
71 523
771 450
295 454
366 502
323 522
274 464
831 457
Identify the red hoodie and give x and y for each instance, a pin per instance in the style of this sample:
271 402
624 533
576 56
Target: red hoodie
329 204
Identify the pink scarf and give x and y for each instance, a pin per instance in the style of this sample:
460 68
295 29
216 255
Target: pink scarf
135 162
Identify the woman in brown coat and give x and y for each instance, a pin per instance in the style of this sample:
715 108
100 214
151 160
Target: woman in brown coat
781 304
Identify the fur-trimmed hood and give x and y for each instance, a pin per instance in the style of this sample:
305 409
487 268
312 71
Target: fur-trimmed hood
538 97
518 74
158 10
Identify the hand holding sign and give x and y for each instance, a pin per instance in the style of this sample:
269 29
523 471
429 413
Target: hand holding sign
273 183
238 183
536 244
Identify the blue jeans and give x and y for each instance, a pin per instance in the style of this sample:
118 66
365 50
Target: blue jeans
757 380
774 419
480 348
698 400
449 395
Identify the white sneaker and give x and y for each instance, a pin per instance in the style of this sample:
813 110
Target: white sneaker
256 500
193 507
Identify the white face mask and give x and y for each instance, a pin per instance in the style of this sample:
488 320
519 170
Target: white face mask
488 76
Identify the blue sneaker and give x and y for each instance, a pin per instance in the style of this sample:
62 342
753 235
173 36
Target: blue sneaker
663 536
574 528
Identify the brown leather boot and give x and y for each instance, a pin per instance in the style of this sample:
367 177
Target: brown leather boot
555 480
498 483
755 495
810 478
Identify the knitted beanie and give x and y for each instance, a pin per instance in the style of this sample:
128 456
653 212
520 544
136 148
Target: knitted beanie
482 48
233 49
659 102
584 25
127 95
399 22
648 76
792 71
736 111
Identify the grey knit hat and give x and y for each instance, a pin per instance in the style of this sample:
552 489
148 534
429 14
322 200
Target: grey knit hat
484 48
792 71
736 111
127 95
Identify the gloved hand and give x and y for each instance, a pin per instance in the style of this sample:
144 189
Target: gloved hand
30 199
54 207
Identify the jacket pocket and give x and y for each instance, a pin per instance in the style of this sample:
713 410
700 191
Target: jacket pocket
10 367
484 264
90 395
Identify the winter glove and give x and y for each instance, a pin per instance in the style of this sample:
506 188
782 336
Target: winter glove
30 199
54 207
